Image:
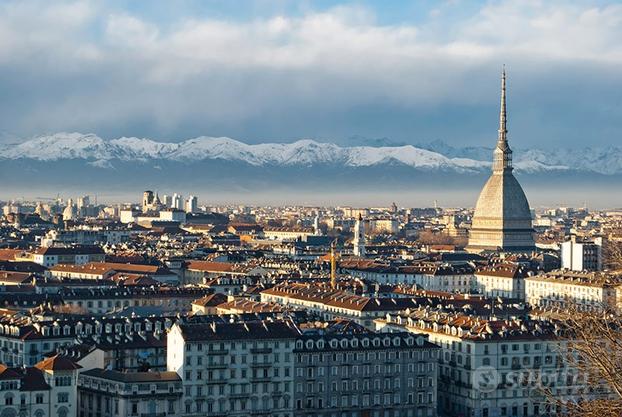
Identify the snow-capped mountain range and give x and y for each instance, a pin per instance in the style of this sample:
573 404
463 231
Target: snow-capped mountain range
104 154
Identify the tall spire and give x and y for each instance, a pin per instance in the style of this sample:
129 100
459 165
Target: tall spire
503 131
502 159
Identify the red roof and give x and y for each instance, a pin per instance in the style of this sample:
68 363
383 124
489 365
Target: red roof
10 254
208 266
57 363
211 300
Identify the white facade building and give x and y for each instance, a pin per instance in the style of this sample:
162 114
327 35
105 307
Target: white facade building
192 204
505 281
234 369
587 290
582 255
493 368
107 393
47 389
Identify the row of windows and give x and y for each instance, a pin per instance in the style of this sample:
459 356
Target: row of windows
236 389
347 371
100 403
351 357
236 359
227 374
366 384
232 405
467 347
199 347
375 400
9 399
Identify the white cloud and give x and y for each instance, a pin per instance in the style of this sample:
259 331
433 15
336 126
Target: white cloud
116 68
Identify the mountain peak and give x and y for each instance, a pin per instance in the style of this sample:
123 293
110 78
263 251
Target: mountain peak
436 155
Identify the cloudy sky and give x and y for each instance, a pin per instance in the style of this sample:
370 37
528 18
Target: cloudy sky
278 70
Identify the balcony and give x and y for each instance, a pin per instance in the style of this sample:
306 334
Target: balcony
217 381
152 414
444 378
261 350
217 366
218 352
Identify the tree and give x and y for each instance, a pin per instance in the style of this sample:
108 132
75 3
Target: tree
429 237
612 255
593 349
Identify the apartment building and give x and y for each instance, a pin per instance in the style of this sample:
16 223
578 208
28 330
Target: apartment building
506 280
234 369
78 255
494 367
432 277
109 393
365 374
47 389
585 290
581 254
332 304
24 341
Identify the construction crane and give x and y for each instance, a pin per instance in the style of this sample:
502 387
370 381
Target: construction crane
333 264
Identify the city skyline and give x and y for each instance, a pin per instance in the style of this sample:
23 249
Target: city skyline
316 208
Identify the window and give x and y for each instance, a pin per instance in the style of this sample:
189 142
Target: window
63 381
63 397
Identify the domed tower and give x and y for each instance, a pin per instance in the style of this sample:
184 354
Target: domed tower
502 219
